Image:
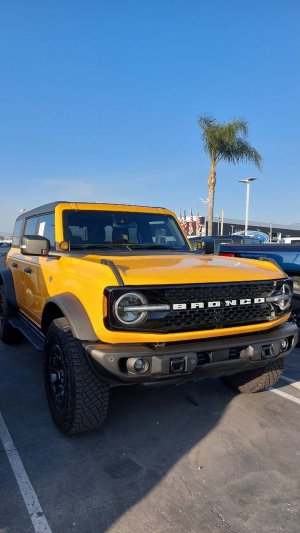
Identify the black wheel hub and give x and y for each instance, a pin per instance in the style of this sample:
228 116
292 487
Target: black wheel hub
56 371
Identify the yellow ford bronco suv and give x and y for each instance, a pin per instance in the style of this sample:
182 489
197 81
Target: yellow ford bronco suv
114 294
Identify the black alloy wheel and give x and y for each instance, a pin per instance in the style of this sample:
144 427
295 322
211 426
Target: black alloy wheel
57 376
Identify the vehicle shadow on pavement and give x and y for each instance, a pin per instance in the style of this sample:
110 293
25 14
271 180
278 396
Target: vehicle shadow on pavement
92 479
155 429
148 458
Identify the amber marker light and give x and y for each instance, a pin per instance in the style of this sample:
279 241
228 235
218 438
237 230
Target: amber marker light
64 246
104 307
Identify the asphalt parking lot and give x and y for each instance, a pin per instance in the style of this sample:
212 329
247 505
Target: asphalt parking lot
192 458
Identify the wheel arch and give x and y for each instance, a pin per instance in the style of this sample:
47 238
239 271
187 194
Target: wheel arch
7 280
68 306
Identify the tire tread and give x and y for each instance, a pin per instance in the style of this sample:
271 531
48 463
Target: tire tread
87 394
256 380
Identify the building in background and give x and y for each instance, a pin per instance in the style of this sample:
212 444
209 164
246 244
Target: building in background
274 230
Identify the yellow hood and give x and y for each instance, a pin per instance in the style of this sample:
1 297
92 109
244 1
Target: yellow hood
189 268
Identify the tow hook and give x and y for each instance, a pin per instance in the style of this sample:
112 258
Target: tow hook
177 365
267 351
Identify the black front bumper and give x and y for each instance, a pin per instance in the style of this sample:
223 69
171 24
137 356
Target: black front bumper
191 360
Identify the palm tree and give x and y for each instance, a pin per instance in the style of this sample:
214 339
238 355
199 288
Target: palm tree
225 142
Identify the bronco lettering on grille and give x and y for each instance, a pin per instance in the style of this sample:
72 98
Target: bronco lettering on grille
217 303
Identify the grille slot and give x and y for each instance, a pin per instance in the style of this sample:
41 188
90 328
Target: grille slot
235 353
203 358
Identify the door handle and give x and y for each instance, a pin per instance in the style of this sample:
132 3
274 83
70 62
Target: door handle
27 270
14 265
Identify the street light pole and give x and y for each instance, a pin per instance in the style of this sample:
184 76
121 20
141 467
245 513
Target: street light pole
205 202
247 181
222 220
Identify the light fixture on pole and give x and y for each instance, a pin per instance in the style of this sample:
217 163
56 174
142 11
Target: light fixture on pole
247 181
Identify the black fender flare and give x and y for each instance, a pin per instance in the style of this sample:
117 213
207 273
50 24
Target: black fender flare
7 280
75 313
271 260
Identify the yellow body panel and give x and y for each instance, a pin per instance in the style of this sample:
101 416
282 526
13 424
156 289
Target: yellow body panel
86 278
181 269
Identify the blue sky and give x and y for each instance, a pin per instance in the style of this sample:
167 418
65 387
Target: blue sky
99 101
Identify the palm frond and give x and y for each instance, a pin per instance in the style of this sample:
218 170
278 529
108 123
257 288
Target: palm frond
238 125
205 121
222 141
240 152
208 126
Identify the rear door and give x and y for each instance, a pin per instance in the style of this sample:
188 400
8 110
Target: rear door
15 263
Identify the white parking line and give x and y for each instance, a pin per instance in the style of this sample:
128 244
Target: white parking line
286 396
30 498
291 381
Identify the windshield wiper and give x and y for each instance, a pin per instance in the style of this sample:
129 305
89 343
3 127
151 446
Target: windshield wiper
90 246
156 247
129 246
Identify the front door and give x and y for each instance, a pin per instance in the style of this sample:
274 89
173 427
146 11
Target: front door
36 281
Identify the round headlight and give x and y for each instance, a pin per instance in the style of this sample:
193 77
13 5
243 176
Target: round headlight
286 293
128 309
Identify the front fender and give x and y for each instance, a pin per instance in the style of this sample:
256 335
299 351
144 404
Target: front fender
74 311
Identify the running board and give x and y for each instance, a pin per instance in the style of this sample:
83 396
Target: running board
29 330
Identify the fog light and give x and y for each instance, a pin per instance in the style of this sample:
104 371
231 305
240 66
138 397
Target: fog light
137 365
140 365
284 344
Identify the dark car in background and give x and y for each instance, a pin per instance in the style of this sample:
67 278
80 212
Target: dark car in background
211 245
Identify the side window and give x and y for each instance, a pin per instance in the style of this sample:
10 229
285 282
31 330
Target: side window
30 226
17 233
45 228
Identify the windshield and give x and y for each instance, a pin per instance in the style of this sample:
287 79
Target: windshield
119 230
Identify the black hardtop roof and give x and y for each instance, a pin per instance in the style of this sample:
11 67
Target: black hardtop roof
48 208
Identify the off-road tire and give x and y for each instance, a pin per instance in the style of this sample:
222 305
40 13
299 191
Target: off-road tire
84 402
8 334
296 320
256 380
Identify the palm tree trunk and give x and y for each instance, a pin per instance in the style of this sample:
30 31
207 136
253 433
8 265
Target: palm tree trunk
211 196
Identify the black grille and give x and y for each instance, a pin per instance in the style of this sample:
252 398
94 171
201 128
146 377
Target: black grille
209 292
204 318
218 317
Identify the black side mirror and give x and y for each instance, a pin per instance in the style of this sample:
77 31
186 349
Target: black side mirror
209 247
35 245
